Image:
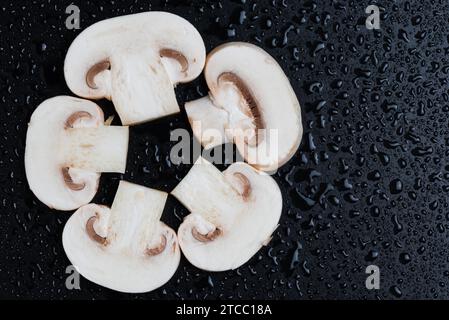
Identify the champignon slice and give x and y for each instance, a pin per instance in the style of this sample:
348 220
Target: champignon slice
251 103
177 56
67 147
135 61
233 214
126 247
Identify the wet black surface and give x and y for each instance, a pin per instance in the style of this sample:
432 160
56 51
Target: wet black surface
369 184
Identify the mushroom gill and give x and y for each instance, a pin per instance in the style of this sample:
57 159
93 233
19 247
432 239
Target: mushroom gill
246 185
210 236
75 117
94 70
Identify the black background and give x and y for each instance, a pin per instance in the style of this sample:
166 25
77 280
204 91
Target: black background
368 186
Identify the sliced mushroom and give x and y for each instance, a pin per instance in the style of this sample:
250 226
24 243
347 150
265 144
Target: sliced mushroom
251 103
135 61
126 247
233 214
67 147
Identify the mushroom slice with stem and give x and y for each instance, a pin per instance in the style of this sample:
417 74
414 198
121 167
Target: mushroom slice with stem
135 61
126 247
251 103
233 214
67 147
